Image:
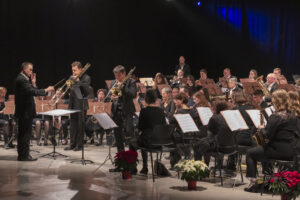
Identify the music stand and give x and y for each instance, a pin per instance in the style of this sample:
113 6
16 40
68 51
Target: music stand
57 113
82 92
107 124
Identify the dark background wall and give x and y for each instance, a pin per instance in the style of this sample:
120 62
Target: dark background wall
148 34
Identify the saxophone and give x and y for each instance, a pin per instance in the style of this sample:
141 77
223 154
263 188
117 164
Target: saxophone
258 136
260 82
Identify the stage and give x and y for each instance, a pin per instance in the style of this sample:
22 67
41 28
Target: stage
59 179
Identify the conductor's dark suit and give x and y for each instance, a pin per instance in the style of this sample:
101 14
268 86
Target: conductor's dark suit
76 129
25 111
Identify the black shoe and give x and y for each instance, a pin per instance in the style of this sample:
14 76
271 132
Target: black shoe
254 188
77 149
114 170
69 148
9 146
134 172
28 158
144 171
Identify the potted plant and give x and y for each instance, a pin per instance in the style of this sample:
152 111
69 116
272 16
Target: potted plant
192 171
286 184
126 162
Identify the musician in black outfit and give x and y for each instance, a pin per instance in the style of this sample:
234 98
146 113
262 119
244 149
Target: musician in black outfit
25 107
281 133
149 117
183 66
123 109
167 104
219 134
77 119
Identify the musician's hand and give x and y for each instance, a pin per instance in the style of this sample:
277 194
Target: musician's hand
260 127
2 111
50 89
33 78
114 97
75 78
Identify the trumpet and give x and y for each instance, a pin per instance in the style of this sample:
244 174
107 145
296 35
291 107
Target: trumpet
60 93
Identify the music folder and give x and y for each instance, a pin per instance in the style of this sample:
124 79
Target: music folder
59 112
105 121
205 114
147 81
186 123
255 117
234 120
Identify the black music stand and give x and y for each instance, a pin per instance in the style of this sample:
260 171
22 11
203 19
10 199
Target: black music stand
82 92
56 113
107 124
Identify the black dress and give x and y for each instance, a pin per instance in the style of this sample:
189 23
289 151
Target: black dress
169 109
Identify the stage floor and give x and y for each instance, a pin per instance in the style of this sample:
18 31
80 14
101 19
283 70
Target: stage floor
59 179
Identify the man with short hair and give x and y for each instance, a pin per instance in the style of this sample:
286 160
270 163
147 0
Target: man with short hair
185 90
233 86
280 79
271 84
25 91
258 99
183 66
76 122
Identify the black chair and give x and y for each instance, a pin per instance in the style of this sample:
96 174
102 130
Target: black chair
161 140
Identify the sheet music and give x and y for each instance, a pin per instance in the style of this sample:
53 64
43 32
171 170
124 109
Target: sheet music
105 121
269 111
186 123
59 112
255 117
167 121
205 114
234 120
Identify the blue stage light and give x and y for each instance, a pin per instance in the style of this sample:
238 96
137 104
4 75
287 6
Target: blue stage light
198 3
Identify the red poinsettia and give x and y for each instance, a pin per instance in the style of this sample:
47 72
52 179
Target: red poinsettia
285 182
126 160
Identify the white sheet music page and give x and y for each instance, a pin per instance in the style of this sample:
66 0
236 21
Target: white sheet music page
269 111
205 114
255 117
105 121
186 123
59 112
234 120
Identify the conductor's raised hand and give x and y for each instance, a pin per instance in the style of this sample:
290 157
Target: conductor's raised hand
50 89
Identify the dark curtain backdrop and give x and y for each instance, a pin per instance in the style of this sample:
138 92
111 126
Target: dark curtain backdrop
150 35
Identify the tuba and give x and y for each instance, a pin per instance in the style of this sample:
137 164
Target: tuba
66 87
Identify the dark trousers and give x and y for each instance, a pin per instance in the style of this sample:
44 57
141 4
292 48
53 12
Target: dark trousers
76 129
118 132
24 134
253 155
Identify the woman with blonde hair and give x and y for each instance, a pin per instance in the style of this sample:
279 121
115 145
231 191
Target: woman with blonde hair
281 134
294 103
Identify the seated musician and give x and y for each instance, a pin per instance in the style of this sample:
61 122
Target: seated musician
175 92
226 75
183 66
271 84
191 85
92 125
281 134
4 120
233 86
190 103
200 101
159 80
203 76
46 122
294 104
179 79
167 104
149 117
253 74
181 108
219 133
258 100
280 79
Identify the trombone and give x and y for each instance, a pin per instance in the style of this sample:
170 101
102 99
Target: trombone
60 93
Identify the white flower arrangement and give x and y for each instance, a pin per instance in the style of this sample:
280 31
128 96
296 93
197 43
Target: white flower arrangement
192 170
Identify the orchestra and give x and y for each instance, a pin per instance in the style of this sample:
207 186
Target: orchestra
156 105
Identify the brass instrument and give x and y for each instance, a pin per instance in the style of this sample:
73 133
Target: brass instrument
260 82
65 88
117 90
225 97
258 137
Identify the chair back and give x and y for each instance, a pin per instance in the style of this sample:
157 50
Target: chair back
162 135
